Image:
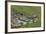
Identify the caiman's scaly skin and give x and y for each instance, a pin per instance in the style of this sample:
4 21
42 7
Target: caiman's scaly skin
20 19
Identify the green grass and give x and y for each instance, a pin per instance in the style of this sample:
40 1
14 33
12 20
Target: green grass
28 10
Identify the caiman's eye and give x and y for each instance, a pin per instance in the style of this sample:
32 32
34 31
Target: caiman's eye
21 14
